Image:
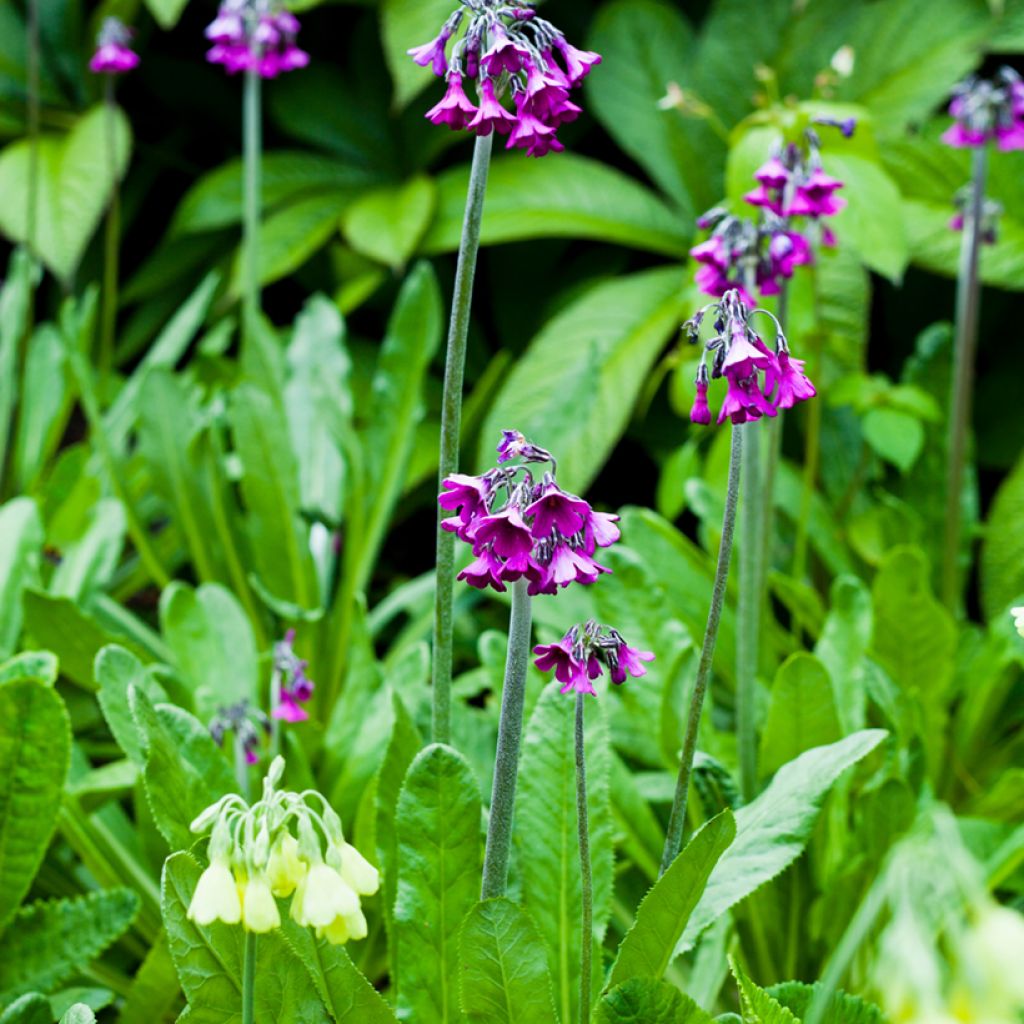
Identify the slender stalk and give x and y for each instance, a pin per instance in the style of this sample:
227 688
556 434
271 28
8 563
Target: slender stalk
586 882
451 418
772 429
252 130
748 627
32 68
249 978
242 769
968 289
674 839
111 240
510 732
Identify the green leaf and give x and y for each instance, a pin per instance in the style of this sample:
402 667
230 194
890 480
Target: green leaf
504 977
21 538
571 197
15 297
756 1006
405 24
574 388
79 1014
772 830
896 436
843 642
155 990
31 1008
1002 551
388 223
649 1001
650 944
89 563
802 712
213 644
166 12
117 670
37 666
75 177
47 943
547 839
439 856
839 1009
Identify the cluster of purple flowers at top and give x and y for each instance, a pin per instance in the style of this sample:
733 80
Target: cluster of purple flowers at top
521 527
760 381
248 724
988 110
745 255
114 54
255 35
580 656
509 51
293 686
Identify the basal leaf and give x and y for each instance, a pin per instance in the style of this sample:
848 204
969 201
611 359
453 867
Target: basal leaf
37 666
155 990
388 223
117 669
841 1008
756 1005
1002 552
21 539
88 564
31 1008
15 296
649 1001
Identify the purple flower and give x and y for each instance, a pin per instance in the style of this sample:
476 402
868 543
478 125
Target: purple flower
787 251
627 659
491 116
467 495
600 531
569 564
773 174
577 62
432 53
558 658
744 401
555 509
744 357
794 385
455 109
503 54
547 99
288 710
580 656
961 137
1010 137
294 687
227 27
485 571
816 198
268 47
530 133
113 54
505 532
701 413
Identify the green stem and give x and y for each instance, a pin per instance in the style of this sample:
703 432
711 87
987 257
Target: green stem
506 760
32 14
674 839
110 243
249 978
252 144
586 882
967 302
749 610
451 417
812 448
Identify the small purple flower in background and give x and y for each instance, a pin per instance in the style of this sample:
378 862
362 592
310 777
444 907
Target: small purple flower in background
991 211
510 52
987 110
113 54
248 724
759 381
582 654
255 35
519 526
294 688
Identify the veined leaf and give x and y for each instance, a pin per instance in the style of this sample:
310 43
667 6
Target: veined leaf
756 1005
405 24
15 296
841 1008
1002 554
649 1001
117 670
155 989
36 666
88 564
388 223
21 539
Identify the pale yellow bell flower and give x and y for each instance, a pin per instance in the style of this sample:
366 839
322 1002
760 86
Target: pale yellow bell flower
285 868
358 871
322 896
343 928
216 896
259 911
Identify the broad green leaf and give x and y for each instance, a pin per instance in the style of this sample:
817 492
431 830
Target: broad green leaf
21 538
772 830
209 961
756 1005
649 1001
117 669
439 856
212 642
840 1008
89 563
75 178
570 197
90 998
802 713
843 642
35 747
574 389
166 12
504 977
896 436
547 839
405 24
388 223
1002 552
155 989
650 944
31 1008
49 942
79 1014
36 666
185 771
15 297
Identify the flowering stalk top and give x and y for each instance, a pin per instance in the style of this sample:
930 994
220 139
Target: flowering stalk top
114 54
985 110
510 52
246 723
760 381
286 844
519 526
581 655
991 211
293 686
257 35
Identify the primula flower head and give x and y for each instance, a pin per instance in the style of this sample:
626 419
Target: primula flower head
114 54
987 109
216 896
255 35
519 526
523 66
247 724
293 686
583 653
991 212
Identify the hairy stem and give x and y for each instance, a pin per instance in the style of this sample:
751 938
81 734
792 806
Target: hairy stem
249 978
748 626
252 130
510 734
451 419
677 820
586 881
967 302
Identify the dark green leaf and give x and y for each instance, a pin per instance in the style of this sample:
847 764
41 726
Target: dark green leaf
649 1001
388 223
1002 553
840 1008
21 538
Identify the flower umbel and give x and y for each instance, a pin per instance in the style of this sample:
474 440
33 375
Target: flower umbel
293 687
510 52
986 110
114 54
255 35
582 654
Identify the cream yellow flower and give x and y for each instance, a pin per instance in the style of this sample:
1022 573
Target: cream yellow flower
322 896
285 868
360 874
259 911
343 928
216 896
1018 619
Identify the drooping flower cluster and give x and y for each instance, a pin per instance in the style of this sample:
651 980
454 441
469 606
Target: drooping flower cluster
248 725
256 859
985 110
794 196
291 684
114 54
760 381
522 527
581 655
511 52
256 35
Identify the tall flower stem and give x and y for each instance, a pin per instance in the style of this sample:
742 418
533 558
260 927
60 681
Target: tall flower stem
111 237
772 429
967 302
249 978
32 69
510 734
586 881
451 420
748 627
674 839
252 142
